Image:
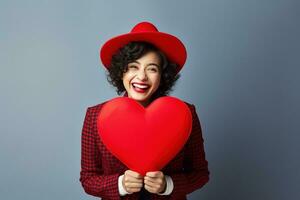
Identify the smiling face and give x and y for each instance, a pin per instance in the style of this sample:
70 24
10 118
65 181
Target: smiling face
142 77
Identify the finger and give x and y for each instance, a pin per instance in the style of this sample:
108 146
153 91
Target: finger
153 180
150 189
150 183
154 174
133 185
132 190
131 179
133 174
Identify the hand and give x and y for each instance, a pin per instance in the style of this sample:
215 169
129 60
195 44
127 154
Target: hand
155 182
132 181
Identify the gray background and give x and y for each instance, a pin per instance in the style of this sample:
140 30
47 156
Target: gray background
242 74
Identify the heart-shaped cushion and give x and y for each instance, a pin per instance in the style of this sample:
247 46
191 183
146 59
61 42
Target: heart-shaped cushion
144 139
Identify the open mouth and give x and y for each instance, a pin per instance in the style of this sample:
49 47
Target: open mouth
141 88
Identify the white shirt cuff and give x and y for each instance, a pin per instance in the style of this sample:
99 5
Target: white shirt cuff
122 191
169 186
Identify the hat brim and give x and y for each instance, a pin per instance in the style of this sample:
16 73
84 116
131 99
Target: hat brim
170 45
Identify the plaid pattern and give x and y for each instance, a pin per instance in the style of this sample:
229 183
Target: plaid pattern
100 169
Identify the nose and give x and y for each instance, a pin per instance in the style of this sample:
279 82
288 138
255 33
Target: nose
142 75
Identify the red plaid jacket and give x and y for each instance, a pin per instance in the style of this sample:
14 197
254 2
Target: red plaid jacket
100 169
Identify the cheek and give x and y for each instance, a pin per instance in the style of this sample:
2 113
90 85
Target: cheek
128 75
156 81
127 78
125 81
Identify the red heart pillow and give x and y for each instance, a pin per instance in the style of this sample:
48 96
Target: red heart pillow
144 139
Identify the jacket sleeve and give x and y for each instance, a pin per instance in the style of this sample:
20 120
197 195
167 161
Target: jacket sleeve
195 172
92 178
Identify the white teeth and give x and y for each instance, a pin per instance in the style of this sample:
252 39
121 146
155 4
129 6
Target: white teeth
140 86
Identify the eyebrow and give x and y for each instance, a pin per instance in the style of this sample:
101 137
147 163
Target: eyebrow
147 64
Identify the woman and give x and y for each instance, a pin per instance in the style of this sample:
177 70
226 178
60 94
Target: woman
144 64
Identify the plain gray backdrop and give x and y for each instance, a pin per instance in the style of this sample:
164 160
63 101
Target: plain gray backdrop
242 74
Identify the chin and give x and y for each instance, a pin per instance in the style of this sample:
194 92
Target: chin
140 97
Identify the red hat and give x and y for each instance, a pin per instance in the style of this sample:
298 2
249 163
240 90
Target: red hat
170 45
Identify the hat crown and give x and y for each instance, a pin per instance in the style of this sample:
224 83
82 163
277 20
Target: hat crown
145 31
144 27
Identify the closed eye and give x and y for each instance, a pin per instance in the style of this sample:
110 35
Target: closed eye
153 69
132 67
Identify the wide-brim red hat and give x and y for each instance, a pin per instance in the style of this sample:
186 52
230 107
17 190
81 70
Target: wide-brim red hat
170 45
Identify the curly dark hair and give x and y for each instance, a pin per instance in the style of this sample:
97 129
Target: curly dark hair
133 51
